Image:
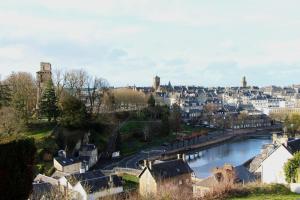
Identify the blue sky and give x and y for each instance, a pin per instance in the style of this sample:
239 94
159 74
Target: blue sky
191 42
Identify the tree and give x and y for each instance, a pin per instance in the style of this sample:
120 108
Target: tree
73 112
176 117
49 102
16 168
165 125
23 94
151 101
5 95
291 168
96 91
8 119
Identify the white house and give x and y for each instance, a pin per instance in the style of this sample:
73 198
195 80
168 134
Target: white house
98 187
91 185
272 168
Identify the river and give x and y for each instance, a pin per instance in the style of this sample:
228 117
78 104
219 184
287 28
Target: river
236 153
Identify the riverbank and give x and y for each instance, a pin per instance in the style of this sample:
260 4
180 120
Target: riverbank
218 139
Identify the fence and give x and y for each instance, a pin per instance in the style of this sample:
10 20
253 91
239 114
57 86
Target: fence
120 170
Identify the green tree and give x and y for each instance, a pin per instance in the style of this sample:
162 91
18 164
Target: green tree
176 117
73 112
48 102
165 125
16 168
5 95
291 168
151 101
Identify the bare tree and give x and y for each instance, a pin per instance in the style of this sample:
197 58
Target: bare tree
97 87
59 81
23 93
76 81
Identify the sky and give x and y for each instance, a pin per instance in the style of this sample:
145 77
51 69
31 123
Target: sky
128 42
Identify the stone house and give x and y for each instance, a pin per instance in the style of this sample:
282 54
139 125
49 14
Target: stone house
89 153
156 177
223 175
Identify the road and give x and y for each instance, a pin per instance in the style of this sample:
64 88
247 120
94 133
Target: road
132 161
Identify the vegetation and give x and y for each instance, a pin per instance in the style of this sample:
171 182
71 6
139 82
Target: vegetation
268 192
16 168
74 113
49 102
292 122
291 168
131 182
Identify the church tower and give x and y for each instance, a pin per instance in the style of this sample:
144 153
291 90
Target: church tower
156 83
42 77
244 82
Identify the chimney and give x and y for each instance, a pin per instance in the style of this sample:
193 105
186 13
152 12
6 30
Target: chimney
178 156
145 163
111 181
150 164
183 158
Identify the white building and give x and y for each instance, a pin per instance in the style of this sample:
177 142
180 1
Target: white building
272 168
91 185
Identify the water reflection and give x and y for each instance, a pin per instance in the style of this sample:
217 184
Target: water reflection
235 153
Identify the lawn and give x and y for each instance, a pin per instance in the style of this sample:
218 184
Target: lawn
266 192
131 182
133 145
269 197
130 126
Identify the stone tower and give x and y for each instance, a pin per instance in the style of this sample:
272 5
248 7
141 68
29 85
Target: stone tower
42 77
244 82
156 83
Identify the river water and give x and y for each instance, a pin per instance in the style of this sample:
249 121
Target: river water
236 153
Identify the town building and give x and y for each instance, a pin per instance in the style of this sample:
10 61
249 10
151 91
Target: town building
91 185
88 153
272 167
156 177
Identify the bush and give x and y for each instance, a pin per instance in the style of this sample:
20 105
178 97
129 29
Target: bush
291 168
16 168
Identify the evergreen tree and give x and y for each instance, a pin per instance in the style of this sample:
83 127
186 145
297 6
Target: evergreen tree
4 95
48 102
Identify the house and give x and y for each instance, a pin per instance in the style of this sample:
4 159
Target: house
67 164
43 187
91 185
89 153
272 168
222 175
98 187
155 177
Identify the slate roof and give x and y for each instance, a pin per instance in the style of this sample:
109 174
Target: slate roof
87 147
75 178
101 183
169 169
40 189
243 174
67 161
293 146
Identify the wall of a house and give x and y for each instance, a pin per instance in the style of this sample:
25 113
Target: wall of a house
272 167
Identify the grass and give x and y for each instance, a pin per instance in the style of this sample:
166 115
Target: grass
130 126
266 192
131 182
269 197
133 145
